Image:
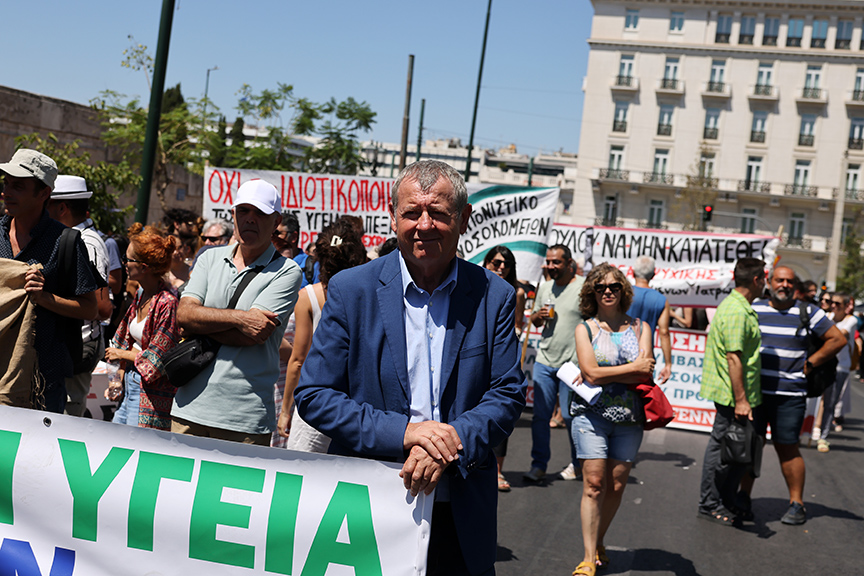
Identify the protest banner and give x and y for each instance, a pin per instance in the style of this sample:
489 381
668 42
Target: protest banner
80 496
692 411
692 268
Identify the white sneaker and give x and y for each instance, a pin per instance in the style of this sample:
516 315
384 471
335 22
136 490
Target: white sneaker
568 473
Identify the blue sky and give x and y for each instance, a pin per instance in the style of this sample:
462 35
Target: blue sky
536 57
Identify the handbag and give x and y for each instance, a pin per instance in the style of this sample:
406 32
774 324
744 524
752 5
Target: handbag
741 445
658 410
193 354
822 376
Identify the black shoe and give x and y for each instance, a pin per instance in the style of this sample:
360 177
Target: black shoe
743 507
795 515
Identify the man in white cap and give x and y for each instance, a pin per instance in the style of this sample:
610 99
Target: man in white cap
61 289
70 204
232 399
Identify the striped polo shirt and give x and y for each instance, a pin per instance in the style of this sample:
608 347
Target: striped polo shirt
784 345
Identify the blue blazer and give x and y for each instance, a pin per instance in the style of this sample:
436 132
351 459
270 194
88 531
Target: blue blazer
354 383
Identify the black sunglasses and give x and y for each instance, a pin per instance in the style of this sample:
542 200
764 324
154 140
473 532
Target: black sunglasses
213 238
615 287
127 260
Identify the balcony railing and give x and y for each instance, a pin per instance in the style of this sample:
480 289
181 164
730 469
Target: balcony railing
793 41
664 129
745 39
652 225
706 182
843 44
757 136
817 42
856 144
769 40
798 242
619 126
612 222
658 178
716 87
710 133
805 140
854 194
812 93
614 174
669 83
858 95
754 186
800 190
721 38
624 81
763 90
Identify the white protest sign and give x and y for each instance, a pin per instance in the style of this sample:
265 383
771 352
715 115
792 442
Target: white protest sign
692 268
88 497
692 412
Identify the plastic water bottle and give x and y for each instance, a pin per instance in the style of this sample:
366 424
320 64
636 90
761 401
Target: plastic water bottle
115 386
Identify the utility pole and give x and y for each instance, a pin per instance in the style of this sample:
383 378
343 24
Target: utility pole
206 90
477 95
148 154
404 151
420 129
837 229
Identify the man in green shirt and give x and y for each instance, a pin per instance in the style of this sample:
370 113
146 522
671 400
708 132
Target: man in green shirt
730 378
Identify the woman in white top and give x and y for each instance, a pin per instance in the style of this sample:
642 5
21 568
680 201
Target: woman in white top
338 247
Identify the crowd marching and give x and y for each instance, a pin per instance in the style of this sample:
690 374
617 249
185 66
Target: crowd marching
403 352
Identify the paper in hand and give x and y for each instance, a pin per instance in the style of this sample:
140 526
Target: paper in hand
568 374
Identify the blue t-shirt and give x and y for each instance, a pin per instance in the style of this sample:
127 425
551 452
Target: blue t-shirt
784 345
647 305
300 259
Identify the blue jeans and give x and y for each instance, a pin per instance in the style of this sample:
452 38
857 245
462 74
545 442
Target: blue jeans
548 390
127 413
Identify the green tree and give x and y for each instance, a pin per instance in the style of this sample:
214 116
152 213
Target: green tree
217 144
338 151
851 277
701 190
107 181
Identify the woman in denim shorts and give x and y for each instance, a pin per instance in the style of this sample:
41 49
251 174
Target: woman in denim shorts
614 350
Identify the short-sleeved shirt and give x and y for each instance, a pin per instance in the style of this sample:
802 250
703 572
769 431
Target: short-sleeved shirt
844 357
558 339
735 328
236 391
97 252
55 363
647 305
784 345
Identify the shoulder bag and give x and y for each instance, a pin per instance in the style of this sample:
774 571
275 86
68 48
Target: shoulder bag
823 375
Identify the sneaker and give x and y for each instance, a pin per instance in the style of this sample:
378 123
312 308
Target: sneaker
816 434
569 473
535 475
795 515
822 446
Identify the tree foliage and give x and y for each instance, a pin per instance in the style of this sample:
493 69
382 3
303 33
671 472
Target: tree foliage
851 277
701 190
107 181
338 151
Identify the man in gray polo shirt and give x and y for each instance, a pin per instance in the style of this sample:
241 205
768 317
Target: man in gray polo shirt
232 399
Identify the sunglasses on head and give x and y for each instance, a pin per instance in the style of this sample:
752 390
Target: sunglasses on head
615 287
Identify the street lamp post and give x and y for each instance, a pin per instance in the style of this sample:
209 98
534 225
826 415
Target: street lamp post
206 90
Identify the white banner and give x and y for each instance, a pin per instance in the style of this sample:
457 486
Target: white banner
692 412
692 268
87 497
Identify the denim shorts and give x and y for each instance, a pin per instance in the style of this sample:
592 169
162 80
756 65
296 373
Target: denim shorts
598 438
785 414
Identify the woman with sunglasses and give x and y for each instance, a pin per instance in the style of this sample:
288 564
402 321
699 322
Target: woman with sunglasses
501 261
614 350
146 333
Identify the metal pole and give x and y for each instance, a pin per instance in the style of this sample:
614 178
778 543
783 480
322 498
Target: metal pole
530 170
420 129
206 90
148 154
837 229
477 95
404 150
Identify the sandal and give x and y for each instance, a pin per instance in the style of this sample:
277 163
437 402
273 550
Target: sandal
601 559
503 485
585 569
557 423
720 516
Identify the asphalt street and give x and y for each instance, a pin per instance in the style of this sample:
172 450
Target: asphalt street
657 531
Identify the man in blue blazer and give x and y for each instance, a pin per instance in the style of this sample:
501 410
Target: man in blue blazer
415 360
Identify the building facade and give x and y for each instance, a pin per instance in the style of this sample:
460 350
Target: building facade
754 108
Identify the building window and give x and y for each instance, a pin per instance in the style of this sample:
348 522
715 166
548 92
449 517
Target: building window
794 32
676 22
844 35
670 74
796 226
620 122
748 221
664 123
763 79
748 30
718 75
805 134
820 34
631 21
802 177
812 81
853 180
616 160
856 134
655 213
610 210
625 71
712 122
724 29
858 92
753 176
771 31
757 130
706 165
661 162
848 224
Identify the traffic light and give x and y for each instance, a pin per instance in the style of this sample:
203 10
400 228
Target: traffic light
707 210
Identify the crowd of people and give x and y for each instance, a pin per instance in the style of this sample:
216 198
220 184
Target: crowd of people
403 352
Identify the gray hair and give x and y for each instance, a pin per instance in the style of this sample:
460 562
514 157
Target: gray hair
427 173
225 227
643 267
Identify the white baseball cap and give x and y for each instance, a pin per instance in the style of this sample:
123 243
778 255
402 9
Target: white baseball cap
260 194
26 163
70 188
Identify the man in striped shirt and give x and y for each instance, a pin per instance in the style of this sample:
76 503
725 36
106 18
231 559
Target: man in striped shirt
784 383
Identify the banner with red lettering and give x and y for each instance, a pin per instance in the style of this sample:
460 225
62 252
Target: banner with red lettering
692 268
692 412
